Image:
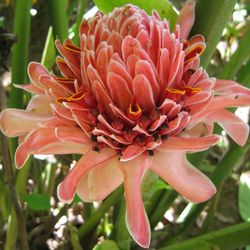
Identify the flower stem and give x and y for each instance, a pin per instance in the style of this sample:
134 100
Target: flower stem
233 237
20 50
58 16
163 204
7 165
211 19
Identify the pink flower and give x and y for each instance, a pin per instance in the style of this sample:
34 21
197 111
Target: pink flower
131 98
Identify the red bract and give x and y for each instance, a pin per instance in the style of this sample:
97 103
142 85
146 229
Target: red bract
131 98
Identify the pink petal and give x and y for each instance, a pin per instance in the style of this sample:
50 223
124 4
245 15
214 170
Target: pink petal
233 100
89 161
186 19
102 63
163 67
15 122
69 55
188 144
35 70
225 87
131 152
30 88
99 182
40 104
232 124
62 148
174 168
107 125
136 218
72 134
119 68
109 143
143 92
157 123
144 67
119 91
62 112
102 97
46 141
64 68
121 114
221 102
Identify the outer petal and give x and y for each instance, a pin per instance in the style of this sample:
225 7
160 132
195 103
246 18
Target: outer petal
234 100
89 161
232 124
40 104
225 87
35 70
15 122
47 141
188 144
174 168
136 218
186 19
30 88
100 181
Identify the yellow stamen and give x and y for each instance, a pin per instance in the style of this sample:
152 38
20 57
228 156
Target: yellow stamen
176 91
72 47
193 90
134 109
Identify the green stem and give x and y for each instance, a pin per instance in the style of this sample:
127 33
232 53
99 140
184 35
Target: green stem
121 234
18 220
10 241
20 50
97 215
50 179
164 203
211 19
233 237
58 15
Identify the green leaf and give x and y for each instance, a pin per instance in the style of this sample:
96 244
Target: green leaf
160 184
106 245
211 19
38 202
49 52
244 196
163 7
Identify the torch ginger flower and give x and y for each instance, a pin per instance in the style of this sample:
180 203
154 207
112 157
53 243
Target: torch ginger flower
131 98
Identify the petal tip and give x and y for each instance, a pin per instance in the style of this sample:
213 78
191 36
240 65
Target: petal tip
62 194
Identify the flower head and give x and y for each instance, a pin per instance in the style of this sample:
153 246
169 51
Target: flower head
130 98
